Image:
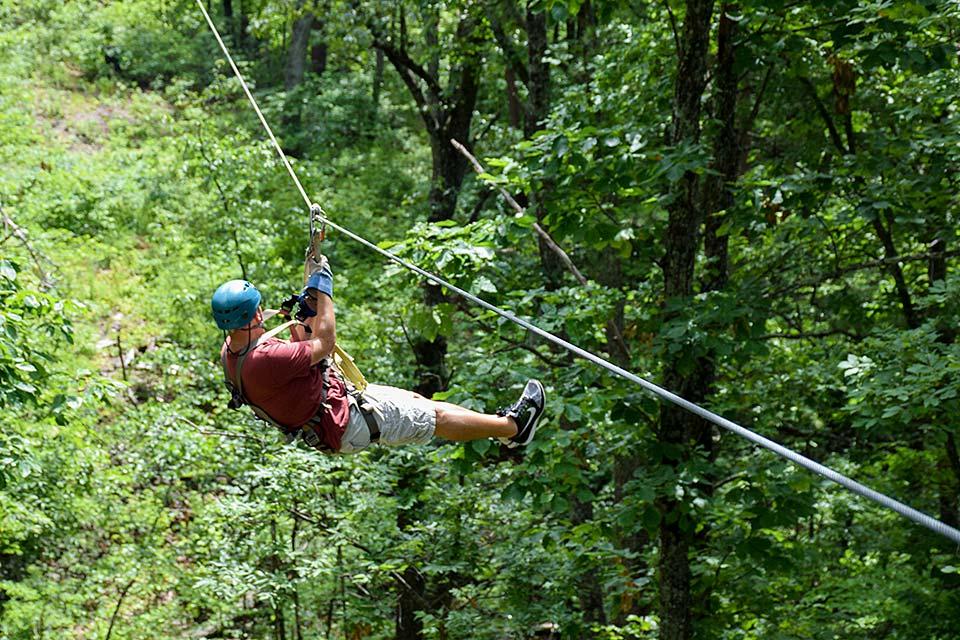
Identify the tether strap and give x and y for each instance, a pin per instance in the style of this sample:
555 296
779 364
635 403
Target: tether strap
363 405
253 345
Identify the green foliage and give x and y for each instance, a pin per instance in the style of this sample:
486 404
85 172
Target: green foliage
328 112
909 381
132 499
32 325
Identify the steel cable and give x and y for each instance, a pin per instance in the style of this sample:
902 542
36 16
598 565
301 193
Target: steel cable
798 459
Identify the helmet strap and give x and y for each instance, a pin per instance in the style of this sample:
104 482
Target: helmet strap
249 329
245 348
229 350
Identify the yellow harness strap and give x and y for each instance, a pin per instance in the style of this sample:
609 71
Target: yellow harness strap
341 358
349 369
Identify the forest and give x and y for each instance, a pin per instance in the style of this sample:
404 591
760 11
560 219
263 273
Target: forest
753 204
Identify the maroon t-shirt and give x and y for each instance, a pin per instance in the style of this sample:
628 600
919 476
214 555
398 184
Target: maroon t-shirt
278 378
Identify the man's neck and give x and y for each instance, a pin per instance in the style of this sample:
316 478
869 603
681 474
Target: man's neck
240 338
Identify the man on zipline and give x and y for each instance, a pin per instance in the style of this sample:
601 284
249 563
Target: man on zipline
294 385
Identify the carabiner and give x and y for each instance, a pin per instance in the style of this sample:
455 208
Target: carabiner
317 215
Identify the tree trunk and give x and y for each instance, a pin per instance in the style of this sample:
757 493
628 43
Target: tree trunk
231 24
513 99
717 195
430 355
585 20
536 112
377 81
297 52
538 71
411 588
452 118
589 589
279 627
449 168
318 51
677 426
291 576
635 539
950 491
447 114
949 464
885 233
937 264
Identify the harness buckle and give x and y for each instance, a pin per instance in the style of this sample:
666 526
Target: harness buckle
236 398
310 436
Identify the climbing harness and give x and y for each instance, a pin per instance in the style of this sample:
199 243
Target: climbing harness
798 459
237 398
343 360
307 431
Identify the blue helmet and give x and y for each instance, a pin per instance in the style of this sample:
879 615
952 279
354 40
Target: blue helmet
235 304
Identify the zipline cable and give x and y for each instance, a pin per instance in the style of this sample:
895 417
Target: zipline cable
854 486
798 459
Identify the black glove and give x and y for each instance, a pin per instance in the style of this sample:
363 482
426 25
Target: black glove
286 307
307 306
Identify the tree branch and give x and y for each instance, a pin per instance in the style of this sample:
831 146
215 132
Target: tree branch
410 79
18 232
223 201
510 52
808 335
548 240
747 126
953 456
222 434
482 198
401 59
553 362
673 27
116 609
818 25
893 266
825 115
838 272
305 517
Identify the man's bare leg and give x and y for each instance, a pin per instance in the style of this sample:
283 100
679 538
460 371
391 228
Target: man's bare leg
460 424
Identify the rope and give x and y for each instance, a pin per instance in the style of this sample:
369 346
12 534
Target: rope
313 207
798 459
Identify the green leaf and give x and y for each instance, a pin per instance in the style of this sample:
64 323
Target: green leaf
7 270
651 519
481 446
26 388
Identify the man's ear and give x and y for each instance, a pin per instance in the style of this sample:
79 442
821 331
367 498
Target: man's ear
257 320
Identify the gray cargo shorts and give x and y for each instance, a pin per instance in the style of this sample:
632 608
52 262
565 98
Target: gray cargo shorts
402 418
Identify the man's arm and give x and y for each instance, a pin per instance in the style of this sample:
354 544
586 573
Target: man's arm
318 296
298 333
323 326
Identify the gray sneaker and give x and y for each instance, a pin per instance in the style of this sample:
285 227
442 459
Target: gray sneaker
526 412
